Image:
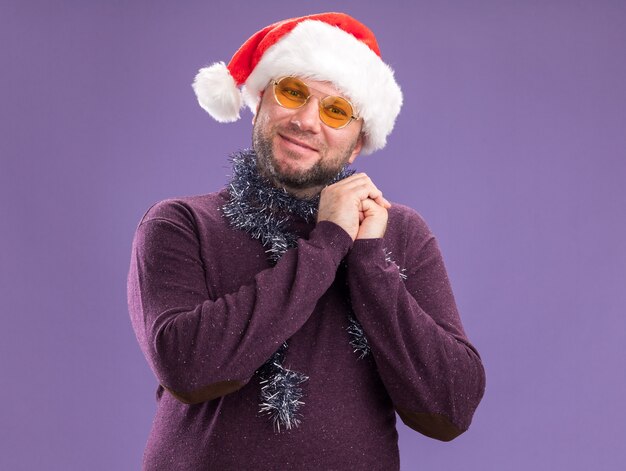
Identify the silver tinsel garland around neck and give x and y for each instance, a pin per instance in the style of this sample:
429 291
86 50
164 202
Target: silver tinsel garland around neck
264 211
259 208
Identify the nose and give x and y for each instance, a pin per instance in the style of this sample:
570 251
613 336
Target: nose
307 117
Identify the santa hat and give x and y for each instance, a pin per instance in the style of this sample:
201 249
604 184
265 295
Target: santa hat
331 47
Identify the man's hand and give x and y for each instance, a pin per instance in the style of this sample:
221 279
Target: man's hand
373 220
356 205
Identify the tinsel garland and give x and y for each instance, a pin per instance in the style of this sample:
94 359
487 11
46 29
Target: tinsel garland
280 391
262 210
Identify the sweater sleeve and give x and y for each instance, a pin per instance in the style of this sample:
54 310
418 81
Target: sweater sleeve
432 373
201 348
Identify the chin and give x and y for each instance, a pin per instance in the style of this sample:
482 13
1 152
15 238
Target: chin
292 164
296 171
293 180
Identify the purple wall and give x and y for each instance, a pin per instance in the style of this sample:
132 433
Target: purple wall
511 143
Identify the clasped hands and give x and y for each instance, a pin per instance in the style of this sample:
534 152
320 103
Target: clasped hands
356 205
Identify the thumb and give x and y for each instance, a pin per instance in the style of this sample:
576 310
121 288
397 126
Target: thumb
369 207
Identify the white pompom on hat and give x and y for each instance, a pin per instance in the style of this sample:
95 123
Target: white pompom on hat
331 47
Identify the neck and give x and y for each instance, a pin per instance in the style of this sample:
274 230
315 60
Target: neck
251 182
300 193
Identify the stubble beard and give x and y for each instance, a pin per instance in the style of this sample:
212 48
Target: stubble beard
319 175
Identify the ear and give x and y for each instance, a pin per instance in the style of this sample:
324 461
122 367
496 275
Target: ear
357 148
256 113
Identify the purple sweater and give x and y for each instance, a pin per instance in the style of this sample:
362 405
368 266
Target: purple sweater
208 310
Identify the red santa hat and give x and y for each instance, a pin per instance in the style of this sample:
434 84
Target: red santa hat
331 47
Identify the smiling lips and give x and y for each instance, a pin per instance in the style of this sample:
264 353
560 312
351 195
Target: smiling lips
297 142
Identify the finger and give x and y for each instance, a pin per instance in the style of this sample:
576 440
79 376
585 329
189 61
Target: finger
369 206
356 178
375 194
351 179
363 186
382 202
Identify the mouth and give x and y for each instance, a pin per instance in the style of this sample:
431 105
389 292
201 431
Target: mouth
297 142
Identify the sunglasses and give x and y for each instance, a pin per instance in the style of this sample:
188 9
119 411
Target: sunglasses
335 111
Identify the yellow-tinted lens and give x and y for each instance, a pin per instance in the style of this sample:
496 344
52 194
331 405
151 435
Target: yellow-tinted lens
291 92
335 111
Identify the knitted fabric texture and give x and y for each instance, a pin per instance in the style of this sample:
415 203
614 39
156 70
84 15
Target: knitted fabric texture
262 210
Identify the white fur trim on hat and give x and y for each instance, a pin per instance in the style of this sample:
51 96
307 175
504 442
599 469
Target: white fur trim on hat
319 51
217 93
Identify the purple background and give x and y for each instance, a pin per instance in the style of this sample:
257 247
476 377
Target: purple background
511 144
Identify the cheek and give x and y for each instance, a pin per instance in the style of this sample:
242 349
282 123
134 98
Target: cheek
269 108
262 120
339 140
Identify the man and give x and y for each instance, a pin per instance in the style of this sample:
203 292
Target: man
289 316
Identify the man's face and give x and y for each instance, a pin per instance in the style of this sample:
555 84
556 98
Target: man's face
295 149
